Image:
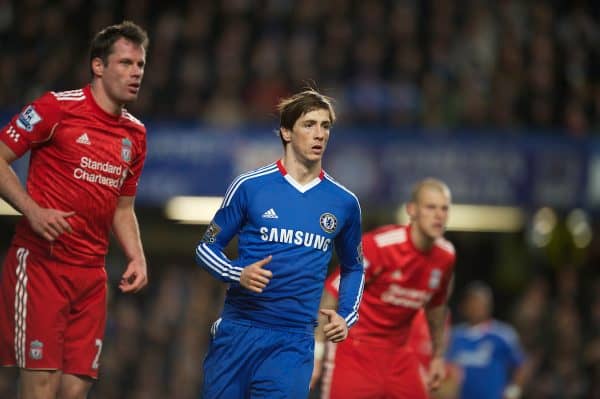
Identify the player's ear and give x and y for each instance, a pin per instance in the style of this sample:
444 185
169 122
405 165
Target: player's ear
286 134
97 66
411 210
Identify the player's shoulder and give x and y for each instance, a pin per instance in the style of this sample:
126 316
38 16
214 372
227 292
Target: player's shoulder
257 176
341 190
461 330
132 121
504 331
46 108
391 234
254 178
249 180
445 247
65 99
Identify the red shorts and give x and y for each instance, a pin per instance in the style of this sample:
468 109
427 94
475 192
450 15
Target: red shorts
360 370
53 315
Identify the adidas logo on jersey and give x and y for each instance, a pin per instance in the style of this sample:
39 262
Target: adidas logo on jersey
84 139
270 214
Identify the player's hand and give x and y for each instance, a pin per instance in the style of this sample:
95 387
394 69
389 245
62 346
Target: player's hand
316 374
135 276
50 223
437 373
336 330
254 277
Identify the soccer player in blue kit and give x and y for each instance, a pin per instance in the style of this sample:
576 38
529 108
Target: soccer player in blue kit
288 216
487 350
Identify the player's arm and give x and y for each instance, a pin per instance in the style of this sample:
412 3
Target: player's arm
10 187
523 368
35 124
224 226
328 302
515 388
436 313
352 273
436 317
126 229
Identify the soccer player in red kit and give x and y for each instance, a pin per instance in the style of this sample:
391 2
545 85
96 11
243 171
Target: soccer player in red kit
87 154
406 268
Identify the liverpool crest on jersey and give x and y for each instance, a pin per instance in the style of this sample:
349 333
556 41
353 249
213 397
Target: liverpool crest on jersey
435 278
126 150
328 222
36 350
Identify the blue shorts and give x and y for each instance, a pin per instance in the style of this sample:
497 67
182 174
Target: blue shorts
249 361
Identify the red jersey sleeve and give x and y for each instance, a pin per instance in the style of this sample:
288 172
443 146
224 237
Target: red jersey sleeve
372 263
332 284
372 259
130 184
33 126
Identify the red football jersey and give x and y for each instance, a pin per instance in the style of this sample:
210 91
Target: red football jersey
82 159
399 280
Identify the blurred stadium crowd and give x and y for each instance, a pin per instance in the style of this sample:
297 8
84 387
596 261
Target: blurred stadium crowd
504 64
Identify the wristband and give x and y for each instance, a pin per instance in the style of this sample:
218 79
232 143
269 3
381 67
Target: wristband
513 391
319 350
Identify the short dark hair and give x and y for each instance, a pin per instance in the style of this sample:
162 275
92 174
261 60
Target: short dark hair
479 287
292 108
102 44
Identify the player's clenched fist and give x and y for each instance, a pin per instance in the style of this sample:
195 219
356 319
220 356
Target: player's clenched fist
336 330
254 277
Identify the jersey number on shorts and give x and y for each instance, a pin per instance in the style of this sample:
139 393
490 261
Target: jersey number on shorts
96 362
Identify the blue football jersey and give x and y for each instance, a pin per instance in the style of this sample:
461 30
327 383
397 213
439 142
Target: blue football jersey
299 226
488 354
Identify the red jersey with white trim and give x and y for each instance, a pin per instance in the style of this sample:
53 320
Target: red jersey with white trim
399 280
82 159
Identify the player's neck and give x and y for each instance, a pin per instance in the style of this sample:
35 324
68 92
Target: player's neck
420 240
103 100
302 172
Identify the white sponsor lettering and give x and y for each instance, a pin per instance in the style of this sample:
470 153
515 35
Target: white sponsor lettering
81 174
297 237
88 167
410 298
479 357
107 167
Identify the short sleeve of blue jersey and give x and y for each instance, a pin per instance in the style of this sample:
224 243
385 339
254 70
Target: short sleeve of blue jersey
513 348
224 226
349 250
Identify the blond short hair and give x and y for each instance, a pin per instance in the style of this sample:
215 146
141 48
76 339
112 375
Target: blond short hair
432 183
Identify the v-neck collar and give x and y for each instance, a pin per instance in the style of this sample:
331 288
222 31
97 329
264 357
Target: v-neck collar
294 183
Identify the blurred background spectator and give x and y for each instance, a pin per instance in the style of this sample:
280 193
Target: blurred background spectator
504 64
509 67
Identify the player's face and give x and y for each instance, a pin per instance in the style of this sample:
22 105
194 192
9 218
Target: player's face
477 308
310 134
429 213
122 76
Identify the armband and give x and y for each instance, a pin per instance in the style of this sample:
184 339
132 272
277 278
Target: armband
319 350
513 391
